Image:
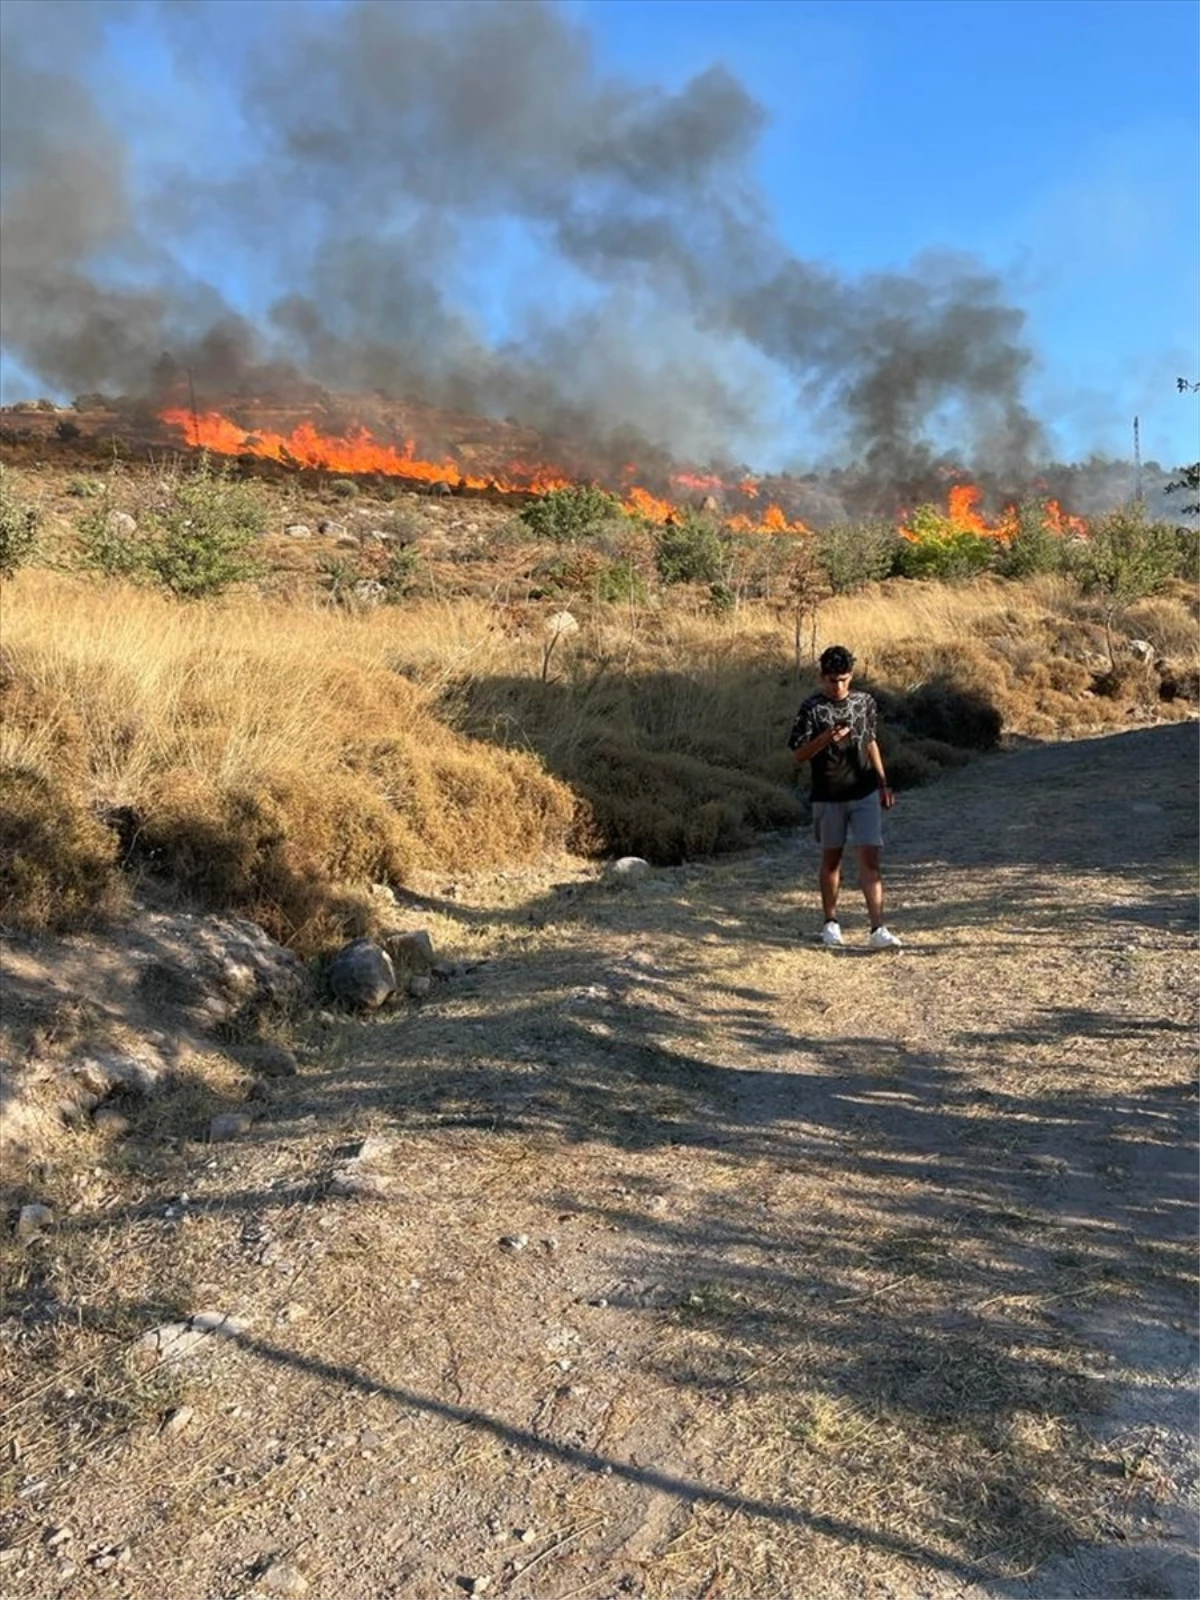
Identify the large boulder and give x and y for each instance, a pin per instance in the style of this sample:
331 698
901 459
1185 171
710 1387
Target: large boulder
217 969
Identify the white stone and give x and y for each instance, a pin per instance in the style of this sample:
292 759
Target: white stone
31 1221
228 1125
630 867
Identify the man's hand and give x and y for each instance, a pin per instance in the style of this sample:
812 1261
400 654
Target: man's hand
839 733
886 798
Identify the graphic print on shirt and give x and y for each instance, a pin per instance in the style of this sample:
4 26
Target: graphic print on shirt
841 771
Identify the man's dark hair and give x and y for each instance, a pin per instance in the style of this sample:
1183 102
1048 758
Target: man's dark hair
836 660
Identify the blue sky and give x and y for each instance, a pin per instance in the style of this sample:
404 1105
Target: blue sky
1056 143
1059 140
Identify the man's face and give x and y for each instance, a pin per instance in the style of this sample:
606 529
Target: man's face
836 684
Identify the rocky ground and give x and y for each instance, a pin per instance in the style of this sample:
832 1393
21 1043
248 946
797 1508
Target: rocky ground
654 1250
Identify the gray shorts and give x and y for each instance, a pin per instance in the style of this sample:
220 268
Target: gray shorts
862 819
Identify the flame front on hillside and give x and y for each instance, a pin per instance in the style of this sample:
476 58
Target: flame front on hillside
361 452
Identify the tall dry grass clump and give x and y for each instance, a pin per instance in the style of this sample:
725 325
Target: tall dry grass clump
265 760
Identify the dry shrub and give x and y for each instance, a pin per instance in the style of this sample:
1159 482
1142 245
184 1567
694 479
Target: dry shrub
264 762
58 864
1169 623
1132 682
669 807
913 762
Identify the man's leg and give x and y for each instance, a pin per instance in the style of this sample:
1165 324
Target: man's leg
830 881
870 880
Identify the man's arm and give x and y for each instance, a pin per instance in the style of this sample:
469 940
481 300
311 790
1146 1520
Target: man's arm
886 798
821 741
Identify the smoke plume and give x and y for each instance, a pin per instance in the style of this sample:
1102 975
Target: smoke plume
372 164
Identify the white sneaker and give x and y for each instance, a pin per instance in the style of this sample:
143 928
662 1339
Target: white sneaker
883 939
831 935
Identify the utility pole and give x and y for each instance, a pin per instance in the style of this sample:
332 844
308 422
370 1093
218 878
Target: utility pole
1137 463
196 419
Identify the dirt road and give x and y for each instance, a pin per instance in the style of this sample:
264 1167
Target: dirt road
703 1263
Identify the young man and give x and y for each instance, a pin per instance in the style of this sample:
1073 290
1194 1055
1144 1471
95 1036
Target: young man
835 730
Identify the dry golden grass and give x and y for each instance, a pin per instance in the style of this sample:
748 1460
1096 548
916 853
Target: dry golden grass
273 757
267 758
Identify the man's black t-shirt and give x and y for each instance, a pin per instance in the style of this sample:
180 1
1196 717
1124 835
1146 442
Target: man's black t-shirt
841 771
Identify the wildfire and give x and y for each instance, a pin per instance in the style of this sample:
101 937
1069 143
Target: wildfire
361 452
773 520
962 515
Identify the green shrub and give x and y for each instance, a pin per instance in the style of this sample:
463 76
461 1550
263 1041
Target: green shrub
936 547
200 540
693 550
344 488
193 539
852 554
18 528
402 572
1035 545
1187 553
85 488
109 540
1127 557
620 583
564 516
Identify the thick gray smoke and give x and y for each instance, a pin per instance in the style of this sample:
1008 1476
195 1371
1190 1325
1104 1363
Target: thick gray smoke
374 151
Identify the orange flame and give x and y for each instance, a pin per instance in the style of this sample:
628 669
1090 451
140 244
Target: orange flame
963 515
357 452
964 498
644 504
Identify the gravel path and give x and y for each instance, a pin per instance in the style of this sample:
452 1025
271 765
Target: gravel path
705 1262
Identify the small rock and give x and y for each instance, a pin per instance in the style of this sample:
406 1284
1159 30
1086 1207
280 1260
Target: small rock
32 1221
412 949
272 1060
178 1420
281 1577
480 1585
170 1342
353 1184
228 1125
561 622
59 1536
629 868
328 528
298 530
526 1535
109 1120
514 1242
216 1322
361 975
1142 648
419 985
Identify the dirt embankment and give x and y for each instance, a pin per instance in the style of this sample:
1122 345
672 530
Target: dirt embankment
702 1262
